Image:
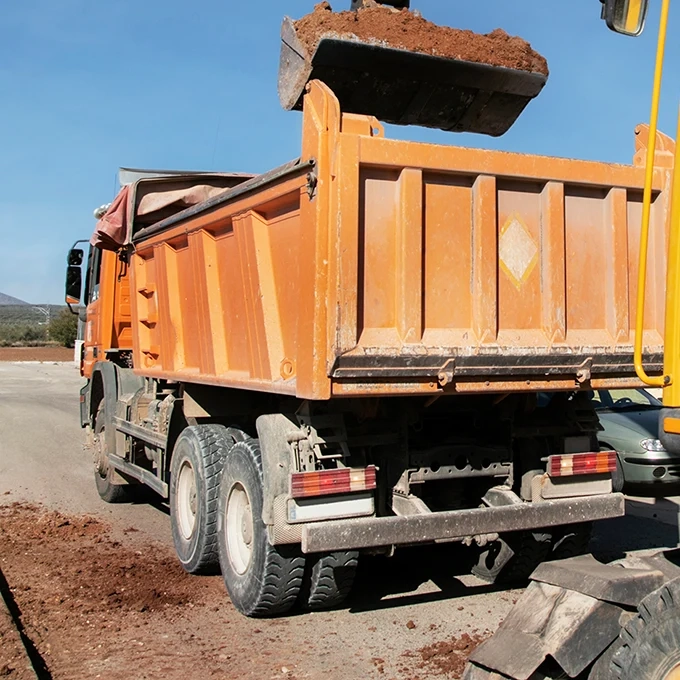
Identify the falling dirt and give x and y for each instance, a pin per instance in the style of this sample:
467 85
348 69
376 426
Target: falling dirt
408 30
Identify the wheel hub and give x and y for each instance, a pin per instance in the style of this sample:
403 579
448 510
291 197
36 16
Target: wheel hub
99 454
187 500
674 673
247 526
239 528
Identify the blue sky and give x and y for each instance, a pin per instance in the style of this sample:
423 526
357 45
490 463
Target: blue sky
87 86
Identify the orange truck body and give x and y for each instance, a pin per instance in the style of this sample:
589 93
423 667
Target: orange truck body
375 267
401 338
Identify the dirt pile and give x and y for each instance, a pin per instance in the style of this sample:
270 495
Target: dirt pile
448 658
94 571
13 660
409 31
91 606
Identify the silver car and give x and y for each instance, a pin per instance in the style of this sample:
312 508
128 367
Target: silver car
630 419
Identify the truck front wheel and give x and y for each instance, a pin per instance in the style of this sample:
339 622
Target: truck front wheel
262 579
197 461
108 488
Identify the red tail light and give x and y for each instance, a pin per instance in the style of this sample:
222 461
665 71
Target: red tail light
330 482
582 464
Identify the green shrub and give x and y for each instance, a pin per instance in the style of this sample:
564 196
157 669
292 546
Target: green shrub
64 328
16 334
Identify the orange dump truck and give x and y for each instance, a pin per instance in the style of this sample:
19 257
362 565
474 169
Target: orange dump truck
382 343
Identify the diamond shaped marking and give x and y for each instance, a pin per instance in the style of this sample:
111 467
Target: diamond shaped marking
517 251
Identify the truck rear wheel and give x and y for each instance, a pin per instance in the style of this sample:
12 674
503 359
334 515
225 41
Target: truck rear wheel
650 642
513 557
328 579
197 461
108 488
261 579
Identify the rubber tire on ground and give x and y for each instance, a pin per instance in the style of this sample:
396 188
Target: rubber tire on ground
571 540
513 557
329 578
205 448
108 489
650 642
271 580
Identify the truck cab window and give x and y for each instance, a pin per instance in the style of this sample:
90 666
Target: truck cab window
93 276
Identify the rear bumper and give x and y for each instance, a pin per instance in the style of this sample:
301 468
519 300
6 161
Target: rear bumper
373 532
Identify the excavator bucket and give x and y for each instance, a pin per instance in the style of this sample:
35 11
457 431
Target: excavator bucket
406 88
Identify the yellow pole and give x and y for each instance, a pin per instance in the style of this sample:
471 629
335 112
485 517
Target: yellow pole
647 206
671 394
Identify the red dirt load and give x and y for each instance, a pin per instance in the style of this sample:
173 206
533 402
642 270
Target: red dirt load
409 31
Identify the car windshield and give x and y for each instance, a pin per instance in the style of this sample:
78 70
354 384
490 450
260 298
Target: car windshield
633 399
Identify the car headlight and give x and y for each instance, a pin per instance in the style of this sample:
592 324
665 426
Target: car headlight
652 445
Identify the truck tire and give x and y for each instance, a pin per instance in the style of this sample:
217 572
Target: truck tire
328 579
513 557
650 642
197 460
108 488
261 579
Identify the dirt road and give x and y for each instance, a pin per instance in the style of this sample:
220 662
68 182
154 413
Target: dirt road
100 594
50 354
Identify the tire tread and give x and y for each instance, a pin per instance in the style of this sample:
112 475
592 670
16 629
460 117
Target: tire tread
329 580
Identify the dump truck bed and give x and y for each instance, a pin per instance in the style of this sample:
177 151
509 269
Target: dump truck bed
384 267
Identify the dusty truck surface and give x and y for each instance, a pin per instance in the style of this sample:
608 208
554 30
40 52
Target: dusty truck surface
380 343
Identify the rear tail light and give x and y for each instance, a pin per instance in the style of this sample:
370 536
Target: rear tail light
331 482
582 464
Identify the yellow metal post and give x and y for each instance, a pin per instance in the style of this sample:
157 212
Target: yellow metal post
671 394
647 208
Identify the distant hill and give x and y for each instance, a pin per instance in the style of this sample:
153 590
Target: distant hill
9 300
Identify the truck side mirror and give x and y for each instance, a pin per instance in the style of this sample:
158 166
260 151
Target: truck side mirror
625 16
75 257
74 284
